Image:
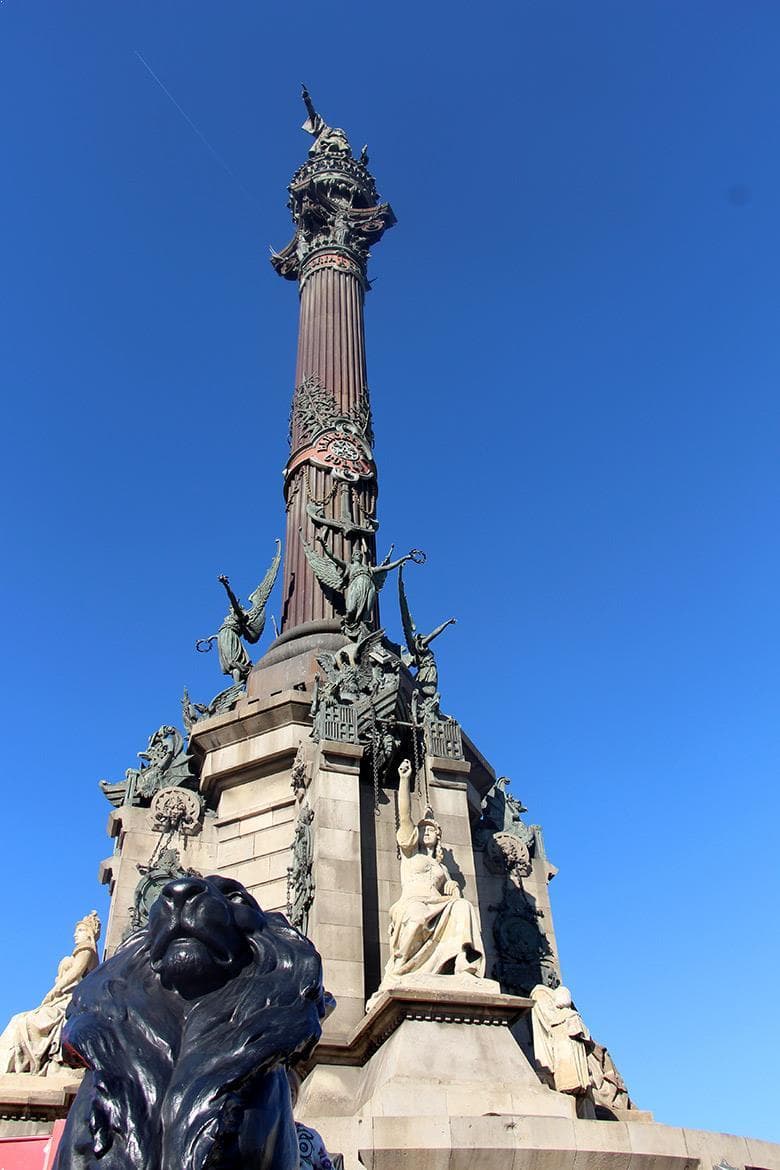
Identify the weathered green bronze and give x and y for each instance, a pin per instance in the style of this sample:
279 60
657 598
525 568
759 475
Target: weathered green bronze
242 623
426 698
356 582
333 201
166 763
524 956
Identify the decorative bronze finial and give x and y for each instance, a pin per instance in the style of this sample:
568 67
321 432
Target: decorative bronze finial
334 204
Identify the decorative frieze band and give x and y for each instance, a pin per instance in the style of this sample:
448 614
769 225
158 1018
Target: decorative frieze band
342 261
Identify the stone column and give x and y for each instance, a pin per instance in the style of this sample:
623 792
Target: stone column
330 478
332 362
336 922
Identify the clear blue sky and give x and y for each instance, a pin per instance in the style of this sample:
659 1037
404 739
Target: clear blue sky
574 364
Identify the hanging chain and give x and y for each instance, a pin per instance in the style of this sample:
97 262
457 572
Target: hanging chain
363 512
420 772
326 499
295 487
375 757
163 841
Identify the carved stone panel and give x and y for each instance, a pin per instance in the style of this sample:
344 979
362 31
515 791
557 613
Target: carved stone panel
443 738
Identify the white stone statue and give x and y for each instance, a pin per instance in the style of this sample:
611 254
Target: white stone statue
561 1040
609 1088
31 1042
433 929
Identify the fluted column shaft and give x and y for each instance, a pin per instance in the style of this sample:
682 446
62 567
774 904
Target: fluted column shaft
331 352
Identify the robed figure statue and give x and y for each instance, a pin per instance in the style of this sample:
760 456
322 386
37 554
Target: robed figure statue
433 929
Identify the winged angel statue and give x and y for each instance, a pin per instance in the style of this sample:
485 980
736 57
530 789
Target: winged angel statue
242 623
357 581
426 693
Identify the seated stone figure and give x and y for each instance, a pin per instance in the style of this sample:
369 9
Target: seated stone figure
186 1032
609 1088
31 1042
433 929
561 1045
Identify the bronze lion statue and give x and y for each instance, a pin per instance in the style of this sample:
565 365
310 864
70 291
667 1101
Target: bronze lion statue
186 1033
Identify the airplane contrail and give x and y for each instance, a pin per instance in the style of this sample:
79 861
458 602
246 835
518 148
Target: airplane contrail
193 127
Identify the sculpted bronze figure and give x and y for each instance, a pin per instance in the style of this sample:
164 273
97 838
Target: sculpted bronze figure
357 581
185 1033
242 623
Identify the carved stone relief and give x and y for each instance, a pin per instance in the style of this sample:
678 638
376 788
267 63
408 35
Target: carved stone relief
300 878
524 957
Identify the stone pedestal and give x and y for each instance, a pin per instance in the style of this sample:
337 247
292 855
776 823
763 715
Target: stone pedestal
430 1050
30 1104
432 1079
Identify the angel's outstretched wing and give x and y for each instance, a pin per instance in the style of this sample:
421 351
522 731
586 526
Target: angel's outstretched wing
326 572
406 618
379 576
255 618
327 661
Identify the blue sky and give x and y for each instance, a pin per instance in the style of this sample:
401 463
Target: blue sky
574 365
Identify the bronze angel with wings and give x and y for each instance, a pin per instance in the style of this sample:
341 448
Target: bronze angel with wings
420 656
357 581
242 623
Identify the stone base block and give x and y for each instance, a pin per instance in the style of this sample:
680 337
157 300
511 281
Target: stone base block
436 987
521 1142
30 1104
441 1050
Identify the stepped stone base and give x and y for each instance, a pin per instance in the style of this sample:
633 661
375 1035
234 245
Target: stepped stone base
432 1079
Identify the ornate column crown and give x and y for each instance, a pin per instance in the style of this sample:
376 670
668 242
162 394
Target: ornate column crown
334 205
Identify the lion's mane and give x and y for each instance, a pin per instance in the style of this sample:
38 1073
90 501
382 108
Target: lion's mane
178 1082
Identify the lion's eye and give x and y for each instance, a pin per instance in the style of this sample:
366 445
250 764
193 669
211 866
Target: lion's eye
238 898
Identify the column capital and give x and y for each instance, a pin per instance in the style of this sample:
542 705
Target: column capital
334 205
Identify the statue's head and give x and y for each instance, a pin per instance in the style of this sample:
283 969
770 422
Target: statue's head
199 931
429 832
87 931
562 997
358 557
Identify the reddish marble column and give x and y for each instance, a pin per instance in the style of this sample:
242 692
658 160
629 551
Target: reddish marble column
331 353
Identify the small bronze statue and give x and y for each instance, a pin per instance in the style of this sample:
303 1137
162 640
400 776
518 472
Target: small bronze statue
356 580
426 691
242 623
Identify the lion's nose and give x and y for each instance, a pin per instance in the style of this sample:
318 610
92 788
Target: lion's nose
182 890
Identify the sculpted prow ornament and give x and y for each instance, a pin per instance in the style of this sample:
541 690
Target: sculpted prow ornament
345 522
166 763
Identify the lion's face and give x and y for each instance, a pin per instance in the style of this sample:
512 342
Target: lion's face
199 930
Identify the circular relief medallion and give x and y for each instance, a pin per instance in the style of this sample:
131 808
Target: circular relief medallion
176 810
339 449
343 452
